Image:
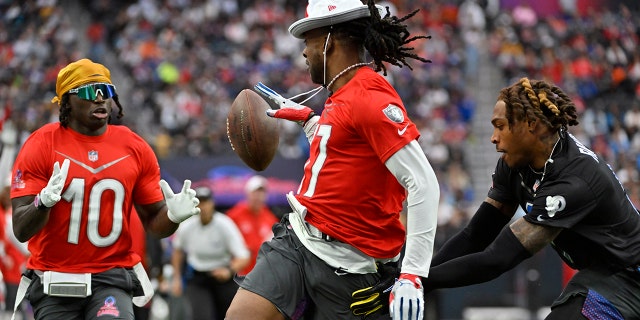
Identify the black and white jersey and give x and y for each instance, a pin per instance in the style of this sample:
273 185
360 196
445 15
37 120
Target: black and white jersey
581 194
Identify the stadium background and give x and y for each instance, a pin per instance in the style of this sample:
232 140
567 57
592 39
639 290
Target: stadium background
178 64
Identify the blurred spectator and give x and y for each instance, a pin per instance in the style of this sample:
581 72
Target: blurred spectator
13 257
13 253
208 250
471 19
524 15
253 217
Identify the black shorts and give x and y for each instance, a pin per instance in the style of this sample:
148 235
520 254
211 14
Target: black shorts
299 283
111 296
606 294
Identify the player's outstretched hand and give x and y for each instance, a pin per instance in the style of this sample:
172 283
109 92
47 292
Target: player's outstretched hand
181 205
375 299
407 298
288 109
50 195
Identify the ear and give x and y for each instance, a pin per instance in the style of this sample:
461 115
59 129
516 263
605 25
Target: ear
531 125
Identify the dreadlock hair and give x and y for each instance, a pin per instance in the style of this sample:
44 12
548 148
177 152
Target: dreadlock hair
384 38
537 99
65 109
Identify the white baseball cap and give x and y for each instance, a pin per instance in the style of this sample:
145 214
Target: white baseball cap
322 13
254 183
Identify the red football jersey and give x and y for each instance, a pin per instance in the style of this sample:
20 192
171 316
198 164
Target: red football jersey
349 192
255 228
89 229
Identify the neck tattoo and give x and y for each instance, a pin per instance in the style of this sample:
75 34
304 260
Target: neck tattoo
345 71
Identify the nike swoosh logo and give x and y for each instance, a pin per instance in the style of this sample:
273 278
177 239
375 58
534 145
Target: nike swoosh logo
401 132
90 169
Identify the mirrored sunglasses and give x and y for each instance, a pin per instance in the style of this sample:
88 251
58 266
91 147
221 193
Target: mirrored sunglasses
90 91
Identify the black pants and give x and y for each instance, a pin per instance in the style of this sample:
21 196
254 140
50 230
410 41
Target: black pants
209 298
112 291
570 310
619 288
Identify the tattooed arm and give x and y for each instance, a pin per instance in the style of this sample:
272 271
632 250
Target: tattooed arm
533 237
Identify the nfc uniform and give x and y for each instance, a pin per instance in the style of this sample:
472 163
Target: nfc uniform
362 125
350 196
577 192
88 230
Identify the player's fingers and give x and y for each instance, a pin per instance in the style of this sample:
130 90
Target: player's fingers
186 186
166 190
56 168
64 169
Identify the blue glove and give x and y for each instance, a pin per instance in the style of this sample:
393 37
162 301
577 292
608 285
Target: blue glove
406 301
288 109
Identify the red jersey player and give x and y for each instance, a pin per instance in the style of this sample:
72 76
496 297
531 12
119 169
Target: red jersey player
364 162
74 185
253 217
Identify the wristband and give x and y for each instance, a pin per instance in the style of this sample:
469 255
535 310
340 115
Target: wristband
39 205
311 115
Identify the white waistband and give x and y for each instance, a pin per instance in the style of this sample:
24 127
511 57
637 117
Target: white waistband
339 255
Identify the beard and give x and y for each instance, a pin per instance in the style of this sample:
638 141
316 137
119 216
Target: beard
317 74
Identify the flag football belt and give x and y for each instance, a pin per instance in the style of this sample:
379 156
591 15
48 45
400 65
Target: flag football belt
62 284
77 285
315 232
339 255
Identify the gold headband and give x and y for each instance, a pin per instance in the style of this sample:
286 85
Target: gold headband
79 73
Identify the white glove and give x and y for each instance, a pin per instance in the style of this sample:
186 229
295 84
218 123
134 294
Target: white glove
182 205
288 109
406 301
50 195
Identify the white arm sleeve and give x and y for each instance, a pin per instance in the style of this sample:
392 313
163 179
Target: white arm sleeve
412 169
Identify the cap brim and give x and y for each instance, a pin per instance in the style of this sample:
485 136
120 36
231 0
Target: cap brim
303 25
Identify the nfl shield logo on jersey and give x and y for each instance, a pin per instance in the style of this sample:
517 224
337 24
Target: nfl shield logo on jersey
93 156
394 113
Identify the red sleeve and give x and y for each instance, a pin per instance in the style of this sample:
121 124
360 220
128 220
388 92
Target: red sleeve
387 126
147 189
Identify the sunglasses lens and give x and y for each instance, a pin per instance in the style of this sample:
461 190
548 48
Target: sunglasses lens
90 92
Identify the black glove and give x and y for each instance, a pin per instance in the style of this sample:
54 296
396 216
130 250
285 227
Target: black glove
375 299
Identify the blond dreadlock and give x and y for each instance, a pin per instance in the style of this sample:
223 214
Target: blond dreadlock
537 99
